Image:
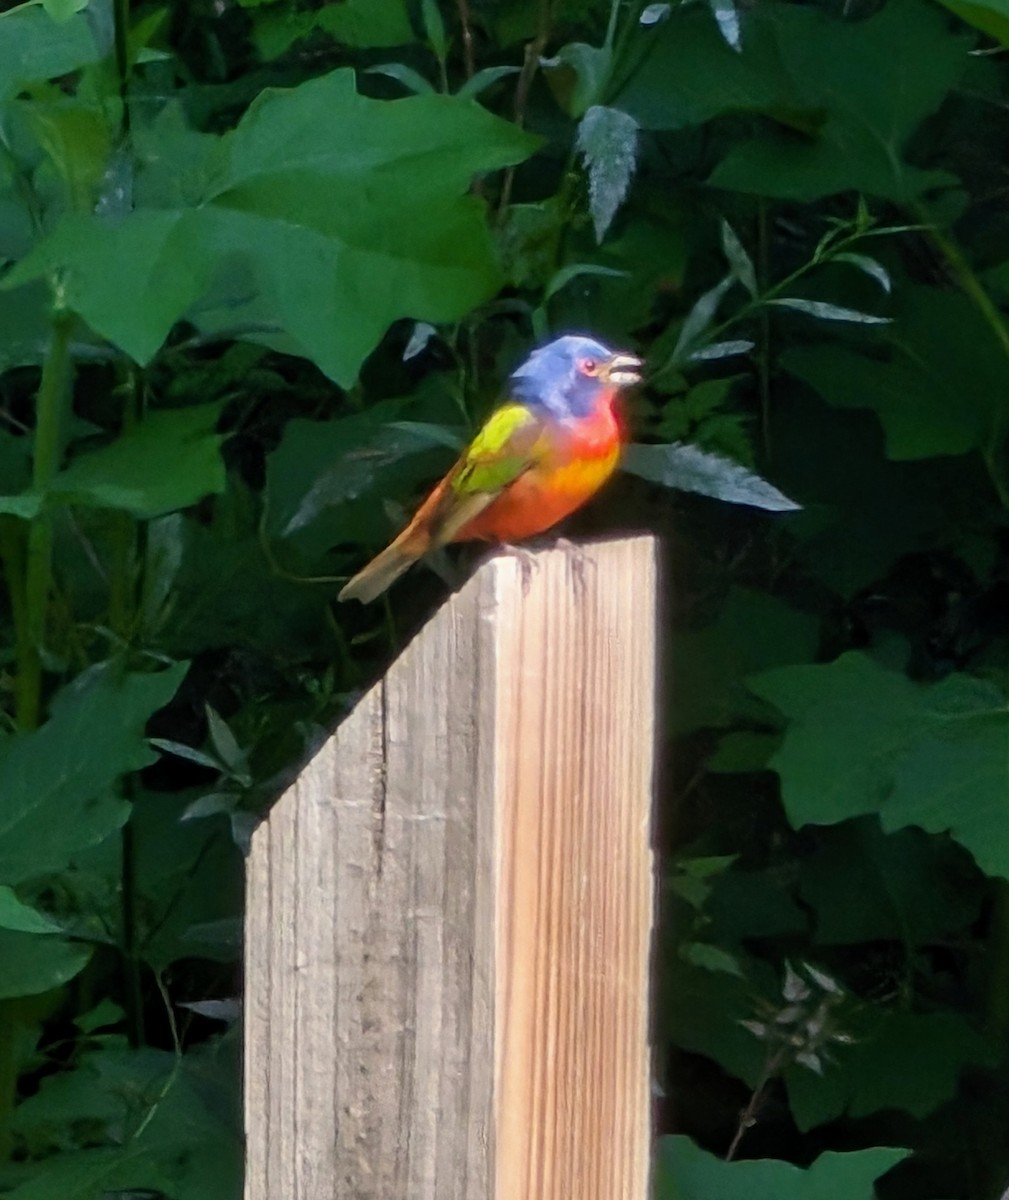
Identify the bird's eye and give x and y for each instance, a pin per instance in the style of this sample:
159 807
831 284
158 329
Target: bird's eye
589 366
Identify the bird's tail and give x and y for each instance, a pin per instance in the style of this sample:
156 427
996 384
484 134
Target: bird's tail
383 570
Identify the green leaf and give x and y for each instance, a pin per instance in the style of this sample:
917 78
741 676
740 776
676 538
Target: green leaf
31 964
608 143
692 470
864 739
867 85
711 958
686 1172
33 48
917 387
866 886
130 277
411 79
58 783
22 918
170 460
360 23
869 266
739 260
63 10
340 228
582 72
828 312
434 28
572 271
484 79
753 632
884 1068
991 17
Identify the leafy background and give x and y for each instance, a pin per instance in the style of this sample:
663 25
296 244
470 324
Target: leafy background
263 267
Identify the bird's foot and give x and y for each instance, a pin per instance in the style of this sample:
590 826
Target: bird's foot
526 560
578 564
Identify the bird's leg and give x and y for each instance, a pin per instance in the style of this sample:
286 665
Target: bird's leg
526 560
577 561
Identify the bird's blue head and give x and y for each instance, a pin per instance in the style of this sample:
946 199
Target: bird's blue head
568 376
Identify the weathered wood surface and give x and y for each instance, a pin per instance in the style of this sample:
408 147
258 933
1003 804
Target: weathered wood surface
449 913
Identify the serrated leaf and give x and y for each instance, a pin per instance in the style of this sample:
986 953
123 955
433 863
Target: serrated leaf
58 782
739 260
691 470
823 311
608 143
686 1172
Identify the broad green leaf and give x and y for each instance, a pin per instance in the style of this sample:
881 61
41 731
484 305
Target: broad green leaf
129 277
339 228
991 16
864 739
59 782
871 83
917 388
721 350
32 963
323 478
686 1172
753 632
22 918
827 312
170 460
608 143
692 470
63 10
845 95
884 1067
33 47
865 886
360 23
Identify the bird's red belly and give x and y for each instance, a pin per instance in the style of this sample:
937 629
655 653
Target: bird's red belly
536 501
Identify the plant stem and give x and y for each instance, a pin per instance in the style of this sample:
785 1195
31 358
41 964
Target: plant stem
748 1117
38 562
131 960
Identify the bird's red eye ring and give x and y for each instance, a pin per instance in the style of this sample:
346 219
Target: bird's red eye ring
589 366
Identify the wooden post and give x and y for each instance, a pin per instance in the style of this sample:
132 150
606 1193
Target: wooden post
449 913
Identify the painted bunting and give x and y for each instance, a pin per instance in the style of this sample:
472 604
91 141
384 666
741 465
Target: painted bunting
539 456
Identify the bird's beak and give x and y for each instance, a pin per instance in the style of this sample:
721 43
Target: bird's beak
622 370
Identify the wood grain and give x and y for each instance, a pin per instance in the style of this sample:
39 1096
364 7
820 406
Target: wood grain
449 913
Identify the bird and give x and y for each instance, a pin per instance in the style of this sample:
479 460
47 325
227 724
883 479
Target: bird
540 456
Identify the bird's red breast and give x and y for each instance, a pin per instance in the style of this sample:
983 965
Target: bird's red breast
581 456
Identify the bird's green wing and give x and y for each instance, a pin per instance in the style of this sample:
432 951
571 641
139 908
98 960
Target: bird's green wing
509 444
504 448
